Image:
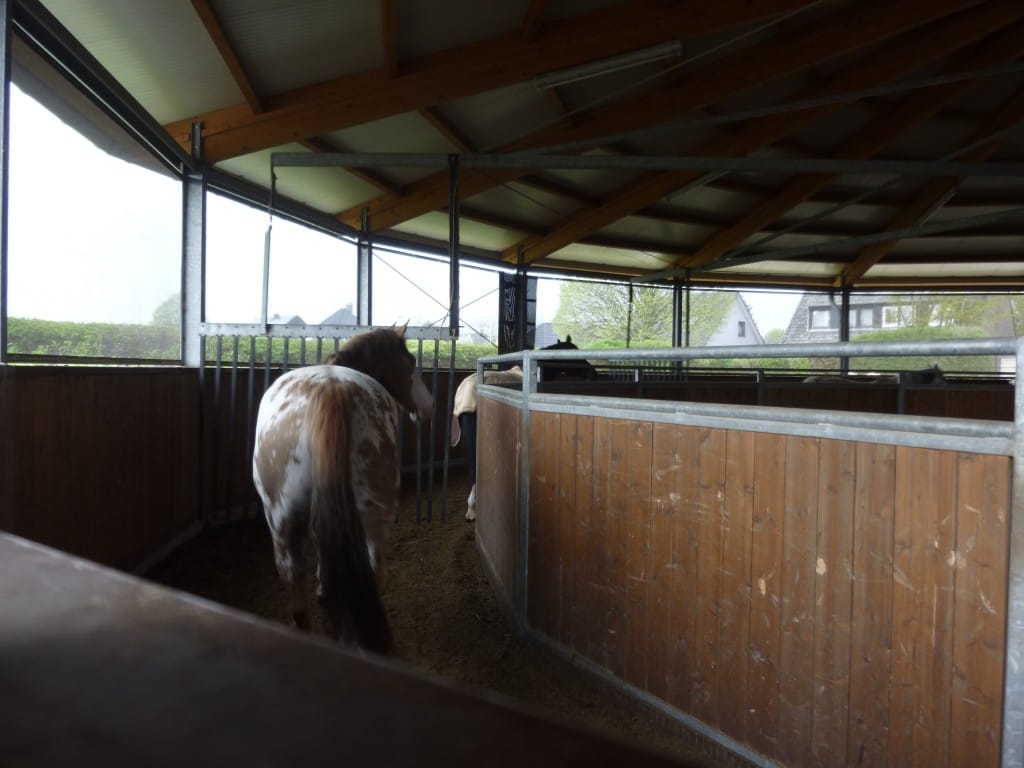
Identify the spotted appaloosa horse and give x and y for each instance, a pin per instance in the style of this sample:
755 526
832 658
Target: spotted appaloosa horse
326 464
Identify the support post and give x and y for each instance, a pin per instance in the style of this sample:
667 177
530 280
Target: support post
844 326
1013 671
364 279
5 124
193 256
453 243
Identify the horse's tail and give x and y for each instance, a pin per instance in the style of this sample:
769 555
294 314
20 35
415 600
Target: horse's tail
351 600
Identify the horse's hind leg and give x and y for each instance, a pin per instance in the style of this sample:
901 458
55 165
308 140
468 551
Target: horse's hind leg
290 556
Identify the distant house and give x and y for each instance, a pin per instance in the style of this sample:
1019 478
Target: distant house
816 319
343 316
544 335
737 328
276 319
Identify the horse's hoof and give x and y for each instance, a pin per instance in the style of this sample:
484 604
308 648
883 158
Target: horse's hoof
470 515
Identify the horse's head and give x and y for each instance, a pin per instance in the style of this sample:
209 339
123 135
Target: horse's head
568 369
382 354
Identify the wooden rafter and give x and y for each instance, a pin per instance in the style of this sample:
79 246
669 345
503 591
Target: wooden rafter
445 128
227 52
936 191
389 37
468 70
1002 48
845 31
903 55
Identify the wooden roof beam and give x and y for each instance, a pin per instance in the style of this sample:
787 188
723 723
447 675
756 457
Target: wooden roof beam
845 31
467 70
389 37
903 55
1002 48
936 192
227 52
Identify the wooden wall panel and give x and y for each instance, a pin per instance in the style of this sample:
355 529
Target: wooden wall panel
710 490
833 603
498 491
762 706
799 560
980 614
871 635
637 566
100 462
541 600
584 590
565 514
822 602
923 603
665 466
682 625
734 608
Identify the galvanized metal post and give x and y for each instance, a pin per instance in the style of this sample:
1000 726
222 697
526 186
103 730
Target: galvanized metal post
5 122
844 327
364 278
193 256
266 251
453 244
521 577
1013 682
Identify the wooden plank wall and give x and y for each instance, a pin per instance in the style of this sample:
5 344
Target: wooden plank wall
497 493
99 462
824 602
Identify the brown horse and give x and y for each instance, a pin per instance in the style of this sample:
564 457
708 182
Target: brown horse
326 464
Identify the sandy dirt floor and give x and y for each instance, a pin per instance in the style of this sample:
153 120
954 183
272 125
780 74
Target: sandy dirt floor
443 614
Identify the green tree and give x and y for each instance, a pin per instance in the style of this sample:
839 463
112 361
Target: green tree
600 315
168 314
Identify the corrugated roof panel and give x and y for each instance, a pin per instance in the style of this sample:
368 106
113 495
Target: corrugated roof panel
285 44
157 50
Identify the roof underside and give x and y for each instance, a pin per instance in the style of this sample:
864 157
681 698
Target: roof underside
922 100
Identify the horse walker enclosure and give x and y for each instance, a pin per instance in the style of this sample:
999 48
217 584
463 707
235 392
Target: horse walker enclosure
806 587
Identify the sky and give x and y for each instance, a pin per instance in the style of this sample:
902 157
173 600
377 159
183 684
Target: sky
104 245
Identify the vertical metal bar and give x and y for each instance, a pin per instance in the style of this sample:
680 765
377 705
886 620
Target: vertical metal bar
449 405
250 416
453 245
266 249
521 288
266 362
521 572
1013 673
215 463
193 253
319 349
629 314
364 271
677 313
431 448
419 445
5 127
284 361
302 351
232 416
844 329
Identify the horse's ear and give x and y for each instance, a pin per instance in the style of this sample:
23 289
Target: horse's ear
568 339
401 331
